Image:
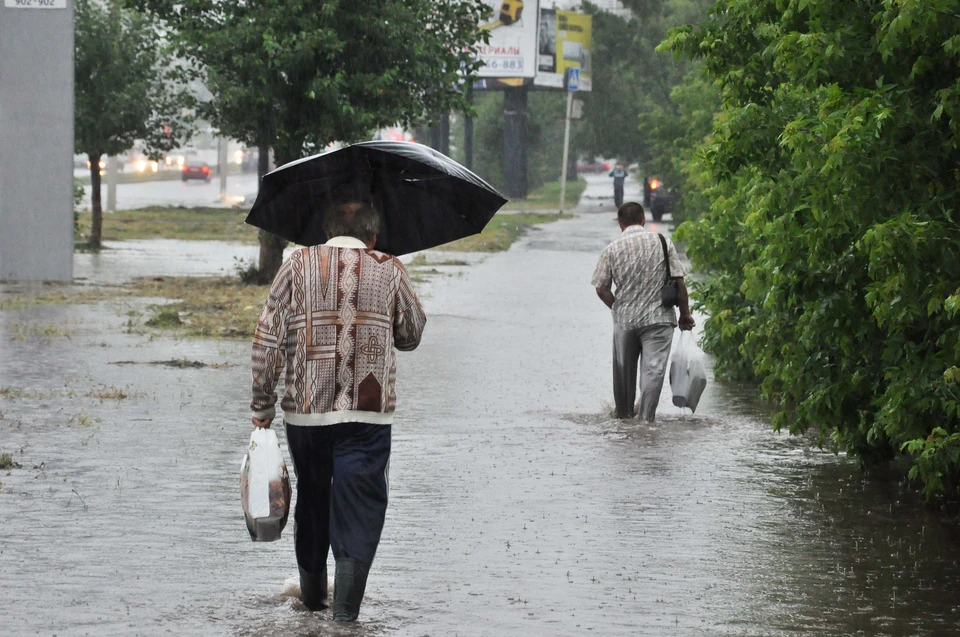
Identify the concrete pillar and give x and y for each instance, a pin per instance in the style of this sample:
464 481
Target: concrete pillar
36 140
515 142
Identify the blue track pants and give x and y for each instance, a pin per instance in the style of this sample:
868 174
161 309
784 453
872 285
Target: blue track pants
341 491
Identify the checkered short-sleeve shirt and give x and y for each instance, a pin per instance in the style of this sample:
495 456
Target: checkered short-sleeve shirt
633 263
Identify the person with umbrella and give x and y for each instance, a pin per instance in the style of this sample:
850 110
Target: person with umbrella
333 317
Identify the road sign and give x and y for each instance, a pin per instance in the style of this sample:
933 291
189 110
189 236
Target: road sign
573 80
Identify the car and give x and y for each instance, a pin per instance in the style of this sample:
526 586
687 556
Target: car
196 170
142 164
180 157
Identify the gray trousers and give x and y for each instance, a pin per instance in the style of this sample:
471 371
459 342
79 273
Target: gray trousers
651 346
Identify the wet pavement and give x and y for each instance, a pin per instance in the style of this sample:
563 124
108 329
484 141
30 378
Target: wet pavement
518 505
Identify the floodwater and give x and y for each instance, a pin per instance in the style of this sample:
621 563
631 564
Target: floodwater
518 506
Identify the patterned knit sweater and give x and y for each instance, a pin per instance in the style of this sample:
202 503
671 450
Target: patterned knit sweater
332 319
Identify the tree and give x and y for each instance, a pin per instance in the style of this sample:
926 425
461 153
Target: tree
297 76
122 90
632 81
544 130
831 251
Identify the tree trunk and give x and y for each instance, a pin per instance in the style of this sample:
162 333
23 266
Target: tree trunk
271 246
271 256
263 162
96 209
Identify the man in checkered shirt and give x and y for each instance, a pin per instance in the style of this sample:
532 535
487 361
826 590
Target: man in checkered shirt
642 327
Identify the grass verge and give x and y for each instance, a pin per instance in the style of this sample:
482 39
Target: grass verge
501 232
160 222
204 306
547 197
20 297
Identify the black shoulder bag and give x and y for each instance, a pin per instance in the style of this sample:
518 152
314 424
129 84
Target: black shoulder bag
670 292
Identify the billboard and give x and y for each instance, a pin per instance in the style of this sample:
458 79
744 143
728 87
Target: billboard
565 42
512 49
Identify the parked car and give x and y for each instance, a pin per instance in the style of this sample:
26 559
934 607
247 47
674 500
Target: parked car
196 170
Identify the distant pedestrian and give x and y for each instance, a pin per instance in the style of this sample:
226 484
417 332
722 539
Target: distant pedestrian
647 191
619 176
334 314
642 327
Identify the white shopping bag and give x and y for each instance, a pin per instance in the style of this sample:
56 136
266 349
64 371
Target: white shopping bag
264 487
688 376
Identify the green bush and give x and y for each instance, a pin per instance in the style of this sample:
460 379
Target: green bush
831 250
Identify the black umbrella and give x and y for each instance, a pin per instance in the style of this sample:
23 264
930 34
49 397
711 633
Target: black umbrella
424 198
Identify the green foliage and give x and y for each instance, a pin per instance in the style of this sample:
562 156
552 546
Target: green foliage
648 105
123 89
544 136
674 130
296 76
164 317
831 250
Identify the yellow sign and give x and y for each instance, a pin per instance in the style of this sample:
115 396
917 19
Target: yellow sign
575 45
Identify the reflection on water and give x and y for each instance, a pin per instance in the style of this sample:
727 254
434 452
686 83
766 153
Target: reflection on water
518 506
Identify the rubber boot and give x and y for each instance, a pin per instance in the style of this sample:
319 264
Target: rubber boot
348 586
313 589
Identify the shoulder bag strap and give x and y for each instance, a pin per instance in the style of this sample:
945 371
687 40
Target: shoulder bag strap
666 257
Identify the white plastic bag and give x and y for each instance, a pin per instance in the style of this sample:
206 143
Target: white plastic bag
688 376
264 487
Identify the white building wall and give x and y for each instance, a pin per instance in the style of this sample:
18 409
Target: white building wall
36 141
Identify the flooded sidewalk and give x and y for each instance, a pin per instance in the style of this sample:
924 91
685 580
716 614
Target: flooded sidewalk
518 505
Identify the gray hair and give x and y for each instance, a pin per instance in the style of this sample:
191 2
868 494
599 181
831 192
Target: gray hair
352 219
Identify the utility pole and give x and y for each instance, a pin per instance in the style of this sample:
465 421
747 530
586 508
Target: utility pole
573 84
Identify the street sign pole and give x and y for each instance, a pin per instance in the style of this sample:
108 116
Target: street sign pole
573 84
566 154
